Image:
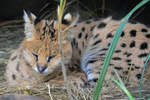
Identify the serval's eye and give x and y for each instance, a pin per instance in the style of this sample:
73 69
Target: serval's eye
50 57
35 55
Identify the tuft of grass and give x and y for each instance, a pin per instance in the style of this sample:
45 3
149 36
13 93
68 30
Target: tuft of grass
121 85
112 48
60 12
140 86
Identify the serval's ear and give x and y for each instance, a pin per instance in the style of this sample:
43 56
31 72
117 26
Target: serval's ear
72 20
29 19
67 22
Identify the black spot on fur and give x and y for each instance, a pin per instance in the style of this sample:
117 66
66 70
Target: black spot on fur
17 67
143 46
74 41
95 43
75 26
143 30
147 35
101 25
96 36
79 52
111 64
86 36
123 45
133 33
44 28
137 67
131 68
95 79
138 76
112 73
109 35
129 64
117 51
72 68
40 38
13 58
93 48
76 65
98 72
83 29
91 61
102 64
128 60
132 44
72 44
122 34
108 44
88 22
104 49
127 54
121 76
103 54
142 55
92 28
118 68
13 76
76 45
125 72
116 58
79 35
83 44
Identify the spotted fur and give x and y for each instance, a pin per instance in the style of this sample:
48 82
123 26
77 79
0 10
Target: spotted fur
38 55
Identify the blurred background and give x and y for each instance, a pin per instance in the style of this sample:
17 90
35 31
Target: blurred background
13 9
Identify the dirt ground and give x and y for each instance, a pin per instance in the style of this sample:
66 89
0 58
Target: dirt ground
11 34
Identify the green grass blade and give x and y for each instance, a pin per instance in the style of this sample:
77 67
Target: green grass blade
123 88
61 3
121 85
60 12
120 80
111 49
140 87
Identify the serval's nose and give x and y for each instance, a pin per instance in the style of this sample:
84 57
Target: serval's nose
41 68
